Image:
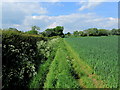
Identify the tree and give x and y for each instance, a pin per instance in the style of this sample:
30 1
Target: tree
76 33
81 33
91 32
115 31
34 30
68 34
103 32
57 31
119 31
12 29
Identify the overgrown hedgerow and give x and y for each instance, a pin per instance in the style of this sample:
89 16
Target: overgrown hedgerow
20 58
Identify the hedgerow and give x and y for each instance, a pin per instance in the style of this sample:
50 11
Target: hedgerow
20 58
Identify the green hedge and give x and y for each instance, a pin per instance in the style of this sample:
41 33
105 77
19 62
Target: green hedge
20 58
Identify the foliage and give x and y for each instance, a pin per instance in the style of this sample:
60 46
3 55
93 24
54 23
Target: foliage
97 32
68 34
76 33
57 31
12 29
19 58
34 30
34 61
91 32
115 31
103 32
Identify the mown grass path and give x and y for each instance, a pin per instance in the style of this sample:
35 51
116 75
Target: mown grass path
60 71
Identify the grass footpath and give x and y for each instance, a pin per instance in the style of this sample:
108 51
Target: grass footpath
61 74
39 79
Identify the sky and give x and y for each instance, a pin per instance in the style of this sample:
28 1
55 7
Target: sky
72 15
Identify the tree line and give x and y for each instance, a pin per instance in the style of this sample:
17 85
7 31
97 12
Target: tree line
95 32
58 31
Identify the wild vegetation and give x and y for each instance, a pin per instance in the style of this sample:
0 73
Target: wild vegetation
52 59
20 58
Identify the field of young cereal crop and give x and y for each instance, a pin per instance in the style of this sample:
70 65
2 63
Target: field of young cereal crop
101 54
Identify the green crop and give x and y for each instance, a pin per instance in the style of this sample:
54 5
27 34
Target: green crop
101 53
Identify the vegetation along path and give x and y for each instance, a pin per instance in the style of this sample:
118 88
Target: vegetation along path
61 72
69 71
70 67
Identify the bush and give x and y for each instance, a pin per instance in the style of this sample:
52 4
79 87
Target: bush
20 58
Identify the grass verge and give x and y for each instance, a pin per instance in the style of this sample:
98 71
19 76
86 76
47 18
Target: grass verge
60 75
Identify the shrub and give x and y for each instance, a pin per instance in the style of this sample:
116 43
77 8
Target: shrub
20 58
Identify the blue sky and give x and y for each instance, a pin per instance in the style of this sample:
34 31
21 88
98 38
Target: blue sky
106 9
72 15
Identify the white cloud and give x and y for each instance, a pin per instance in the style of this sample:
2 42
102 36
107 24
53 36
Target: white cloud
16 12
89 4
19 15
70 22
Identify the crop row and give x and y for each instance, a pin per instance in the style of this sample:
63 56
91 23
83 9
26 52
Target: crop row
100 53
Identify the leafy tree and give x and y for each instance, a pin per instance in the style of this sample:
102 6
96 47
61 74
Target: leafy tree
76 33
115 31
81 33
103 32
91 32
12 29
118 31
34 30
68 34
57 31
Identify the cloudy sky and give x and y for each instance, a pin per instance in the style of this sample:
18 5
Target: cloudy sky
72 15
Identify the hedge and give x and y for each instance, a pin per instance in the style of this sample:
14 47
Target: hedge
20 58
